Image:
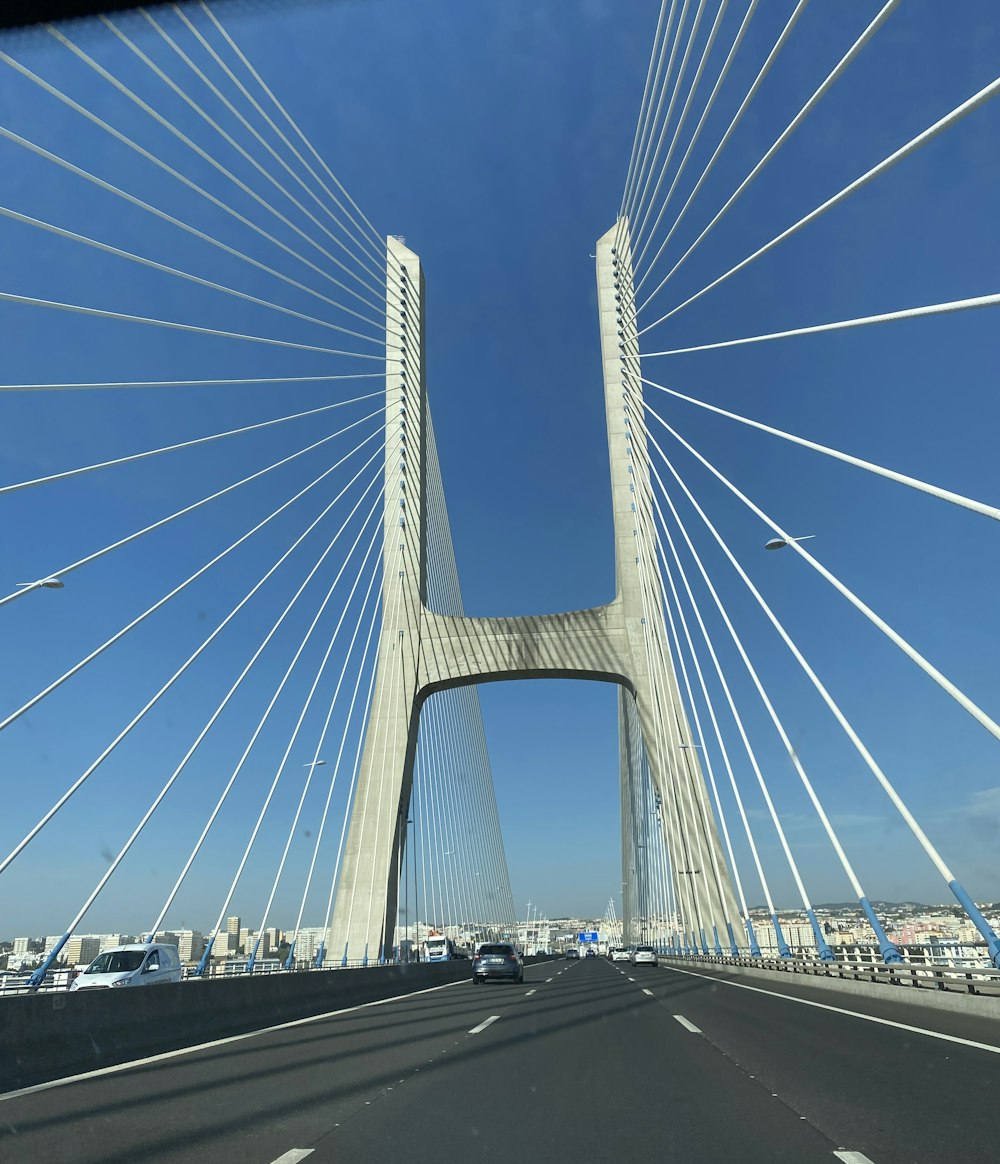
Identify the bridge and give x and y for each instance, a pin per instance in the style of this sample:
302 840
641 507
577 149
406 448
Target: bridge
248 444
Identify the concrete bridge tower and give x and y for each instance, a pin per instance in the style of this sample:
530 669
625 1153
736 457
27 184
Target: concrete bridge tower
422 651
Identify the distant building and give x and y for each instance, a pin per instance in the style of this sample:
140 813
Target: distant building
81 949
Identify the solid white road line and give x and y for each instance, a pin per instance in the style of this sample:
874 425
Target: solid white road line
868 1018
687 1025
294 1156
853 1157
483 1025
165 1055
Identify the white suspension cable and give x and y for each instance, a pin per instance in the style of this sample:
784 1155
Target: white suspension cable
361 243
285 114
641 180
189 383
307 702
278 774
232 779
901 478
779 44
160 164
397 564
67 473
132 200
765 699
207 157
762 783
734 866
863 321
363 261
643 105
723 73
720 675
839 69
942 681
142 261
361 670
173 325
645 121
93 557
956 115
642 216
81 780
366 715
77 667
832 705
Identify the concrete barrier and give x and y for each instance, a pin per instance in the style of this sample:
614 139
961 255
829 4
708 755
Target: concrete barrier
49 1036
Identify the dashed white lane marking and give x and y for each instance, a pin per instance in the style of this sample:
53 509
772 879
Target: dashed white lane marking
852 1157
868 1018
548 979
649 992
294 1155
687 1024
483 1025
631 980
530 993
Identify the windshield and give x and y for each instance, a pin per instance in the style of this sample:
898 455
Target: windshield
116 962
496 949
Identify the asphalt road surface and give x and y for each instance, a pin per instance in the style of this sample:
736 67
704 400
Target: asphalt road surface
585 1060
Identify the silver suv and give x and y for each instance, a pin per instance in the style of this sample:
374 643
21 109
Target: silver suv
497 960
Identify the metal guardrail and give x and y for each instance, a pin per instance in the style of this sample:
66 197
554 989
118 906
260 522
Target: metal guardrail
955 979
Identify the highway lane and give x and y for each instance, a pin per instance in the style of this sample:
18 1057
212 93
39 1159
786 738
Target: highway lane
579 1055
898 1095
585 1056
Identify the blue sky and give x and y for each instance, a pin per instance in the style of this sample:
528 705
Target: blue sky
496 138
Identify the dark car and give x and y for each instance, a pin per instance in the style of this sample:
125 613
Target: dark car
572 952
497 960
591 953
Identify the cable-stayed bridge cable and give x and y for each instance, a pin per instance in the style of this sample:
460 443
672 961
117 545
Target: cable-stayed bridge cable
213 162
779 44
839 69
161 522
973 103
880 470
377 253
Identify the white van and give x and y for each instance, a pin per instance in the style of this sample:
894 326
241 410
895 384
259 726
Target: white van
139 965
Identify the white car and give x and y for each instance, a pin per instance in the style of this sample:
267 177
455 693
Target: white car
644 956
620 954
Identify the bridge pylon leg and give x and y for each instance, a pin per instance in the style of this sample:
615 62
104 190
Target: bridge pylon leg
701 883
364 915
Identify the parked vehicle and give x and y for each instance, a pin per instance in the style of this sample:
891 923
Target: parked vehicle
498 960
148 964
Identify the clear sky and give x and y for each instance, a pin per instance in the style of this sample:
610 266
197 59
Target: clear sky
495 137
